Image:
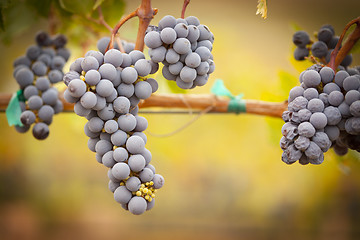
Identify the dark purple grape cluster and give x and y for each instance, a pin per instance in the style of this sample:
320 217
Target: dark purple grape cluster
36 73
106 88
184 47
323 112
321 49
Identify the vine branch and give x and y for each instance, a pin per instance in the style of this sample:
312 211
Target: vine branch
145 13
186 3
337 56
188 101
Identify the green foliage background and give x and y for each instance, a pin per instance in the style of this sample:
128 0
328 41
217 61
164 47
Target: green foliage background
224 175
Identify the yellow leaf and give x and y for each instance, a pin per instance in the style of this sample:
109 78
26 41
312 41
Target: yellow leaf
262 8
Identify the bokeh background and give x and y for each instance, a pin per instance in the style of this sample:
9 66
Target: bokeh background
224 174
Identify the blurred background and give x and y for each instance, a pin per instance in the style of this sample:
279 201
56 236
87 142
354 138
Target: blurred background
224 174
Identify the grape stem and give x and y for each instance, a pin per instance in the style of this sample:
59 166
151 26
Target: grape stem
186 3
145 13
188 101
52 20
337 56
100 20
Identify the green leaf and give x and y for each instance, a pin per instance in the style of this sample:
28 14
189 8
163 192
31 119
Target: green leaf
17 19
13 110
174 88
2 25
287 80
113 11
296 27
80 7
97 4
356 48
42 8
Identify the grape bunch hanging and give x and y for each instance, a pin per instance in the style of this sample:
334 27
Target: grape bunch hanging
184 47
324 111
36 73
320 49
106 88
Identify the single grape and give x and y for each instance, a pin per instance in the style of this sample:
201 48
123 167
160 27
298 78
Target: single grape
120 171
182 45
129 75
301 39
108 71
108 160
55 76
127 122
193 34
76 88
143 90
301 53
80 110
340 77
168 35
27 117
152 39
167 21
104 88
153 83
135 145
318 120
35 102
29 91
122 195
319 49
111 126
143 67
159 181
311 78
120 154
137 205
42 83
24 77
336 98
126 90
95 124
50 97
118 138
133 184
69 76
40 131
103 146
306 129
333 115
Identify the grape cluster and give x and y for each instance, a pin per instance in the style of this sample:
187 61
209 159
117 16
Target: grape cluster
106 89
36 73
323 112
321 49
184 47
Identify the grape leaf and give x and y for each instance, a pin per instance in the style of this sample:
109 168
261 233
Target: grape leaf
2 25
18 18
97 4
3 5
356 48
262 8
80 7
174 88
296 27
42 8
113 11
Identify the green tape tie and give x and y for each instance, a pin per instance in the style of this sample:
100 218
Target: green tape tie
236 104
13 110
